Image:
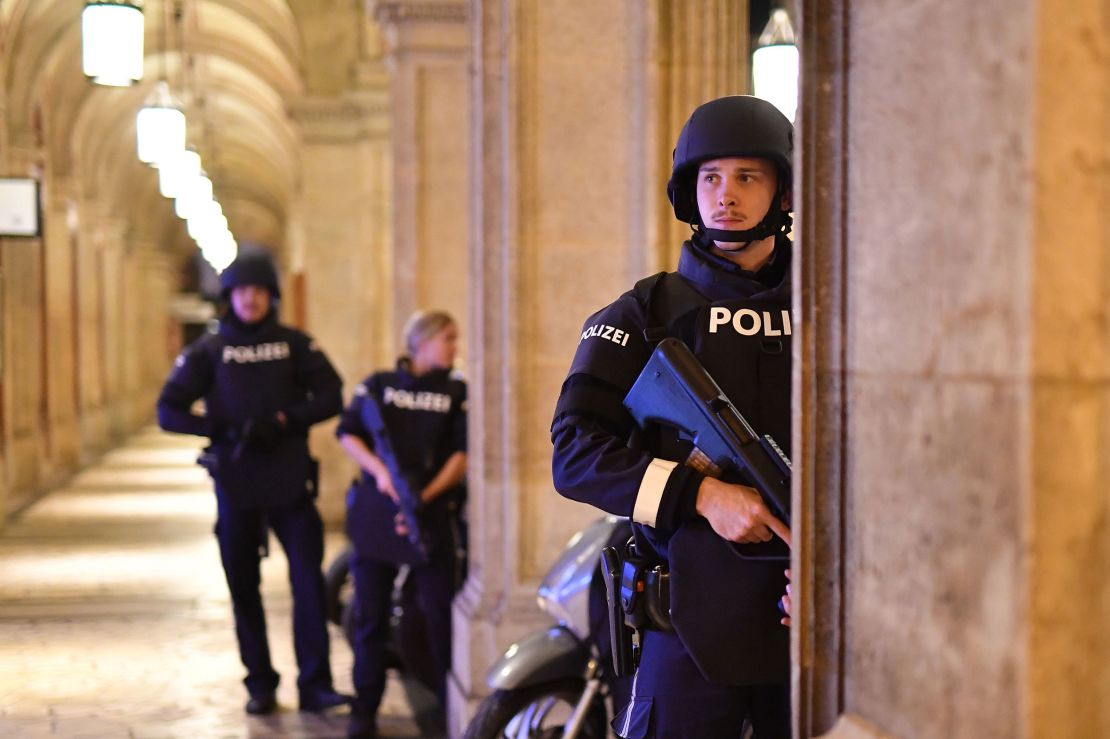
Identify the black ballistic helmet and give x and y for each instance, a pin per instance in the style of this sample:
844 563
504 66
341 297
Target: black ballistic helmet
252 269
734 126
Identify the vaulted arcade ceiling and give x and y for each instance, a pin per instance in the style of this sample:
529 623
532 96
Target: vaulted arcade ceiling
237 65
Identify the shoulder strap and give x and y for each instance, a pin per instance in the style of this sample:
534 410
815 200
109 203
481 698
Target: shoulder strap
665 297
210 344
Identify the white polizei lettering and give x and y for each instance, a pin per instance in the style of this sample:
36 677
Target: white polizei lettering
422 401
607 332
718 317
738 323
269 352
767 329
786 329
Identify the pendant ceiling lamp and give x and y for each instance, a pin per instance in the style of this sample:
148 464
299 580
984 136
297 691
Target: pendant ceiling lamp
160 123
175 173
159 127
112 43
775 64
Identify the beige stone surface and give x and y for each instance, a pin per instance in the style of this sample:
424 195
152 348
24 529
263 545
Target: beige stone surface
973 509
115 619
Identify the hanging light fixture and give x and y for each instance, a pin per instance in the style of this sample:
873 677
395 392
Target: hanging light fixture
775 64
175 173
160 124
194 194
159 127
112 42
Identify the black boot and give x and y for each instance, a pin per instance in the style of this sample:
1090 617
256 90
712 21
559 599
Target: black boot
262 704
363 723
321 699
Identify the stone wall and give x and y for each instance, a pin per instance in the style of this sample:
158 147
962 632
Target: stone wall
957 342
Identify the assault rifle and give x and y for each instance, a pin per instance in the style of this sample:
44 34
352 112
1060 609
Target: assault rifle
675 390
408 493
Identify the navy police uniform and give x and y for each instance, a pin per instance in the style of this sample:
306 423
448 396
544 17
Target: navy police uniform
726 659
738 325
425 419
246 374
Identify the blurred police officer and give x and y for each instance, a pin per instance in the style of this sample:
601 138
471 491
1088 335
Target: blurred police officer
263 385
730 181
420 406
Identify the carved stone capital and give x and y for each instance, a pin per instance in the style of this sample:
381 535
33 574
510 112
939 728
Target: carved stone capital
388 12
341 120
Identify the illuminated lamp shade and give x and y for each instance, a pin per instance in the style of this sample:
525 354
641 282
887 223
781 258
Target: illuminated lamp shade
775 65
219 250
207 227
112 43
175 173
195 194
159 127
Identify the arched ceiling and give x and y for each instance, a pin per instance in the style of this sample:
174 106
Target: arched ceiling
236 64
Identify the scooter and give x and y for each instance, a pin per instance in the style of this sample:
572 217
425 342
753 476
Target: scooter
555 683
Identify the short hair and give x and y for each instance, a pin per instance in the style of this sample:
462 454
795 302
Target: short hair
423 325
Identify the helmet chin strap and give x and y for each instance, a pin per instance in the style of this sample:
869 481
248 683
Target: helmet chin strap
773 223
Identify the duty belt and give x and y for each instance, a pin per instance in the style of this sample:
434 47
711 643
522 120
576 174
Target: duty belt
646 596
639 597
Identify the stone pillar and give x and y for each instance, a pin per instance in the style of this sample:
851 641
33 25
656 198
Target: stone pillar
701 53
339 246
426 47
24 386
92 299
113 253
557 97
954 536
60 341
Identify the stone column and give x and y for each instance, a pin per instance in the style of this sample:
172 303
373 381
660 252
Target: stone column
700 53
60 340
91 330
954 527
25 402
426 48
556 219
339 247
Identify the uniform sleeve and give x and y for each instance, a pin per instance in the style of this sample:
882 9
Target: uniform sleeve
592 461
350 420
324 389
458 421
190 380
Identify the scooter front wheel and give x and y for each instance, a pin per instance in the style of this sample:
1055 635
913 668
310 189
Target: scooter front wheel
536 712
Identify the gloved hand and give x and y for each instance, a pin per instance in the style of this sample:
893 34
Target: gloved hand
261 432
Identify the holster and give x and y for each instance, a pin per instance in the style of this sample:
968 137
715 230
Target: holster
638 594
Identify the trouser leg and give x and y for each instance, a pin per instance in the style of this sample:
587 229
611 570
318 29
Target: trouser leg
239 533
373 582
435 590
672 700
301 533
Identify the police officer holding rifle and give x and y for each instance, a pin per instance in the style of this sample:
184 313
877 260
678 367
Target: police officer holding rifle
706 573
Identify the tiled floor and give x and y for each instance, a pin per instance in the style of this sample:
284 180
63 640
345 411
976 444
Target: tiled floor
115 620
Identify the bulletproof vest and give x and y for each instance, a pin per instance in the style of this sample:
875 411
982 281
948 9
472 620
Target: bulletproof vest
724 607
417 414
255 375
